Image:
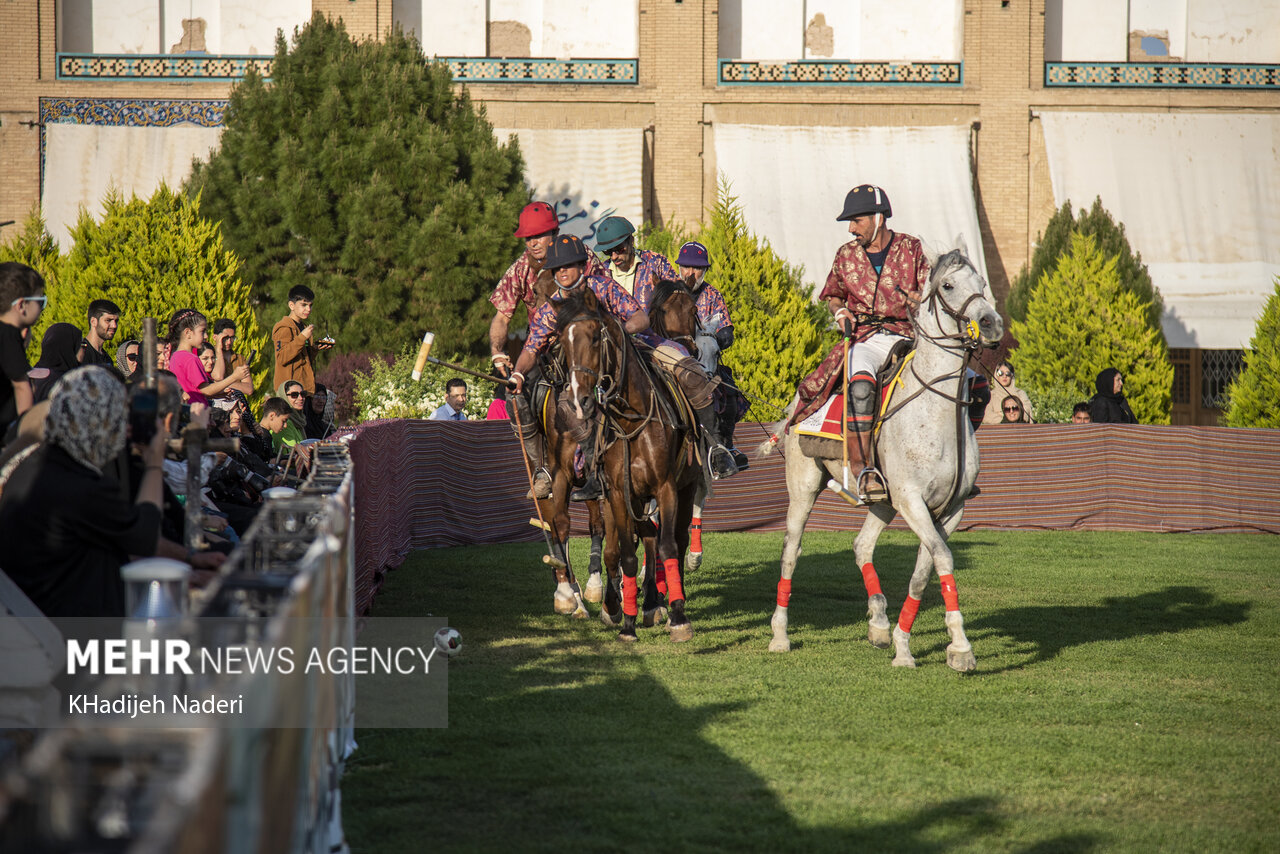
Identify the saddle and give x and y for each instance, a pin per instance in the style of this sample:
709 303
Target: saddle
821 435
675 406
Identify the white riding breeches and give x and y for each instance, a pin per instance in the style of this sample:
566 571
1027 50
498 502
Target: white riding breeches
868 356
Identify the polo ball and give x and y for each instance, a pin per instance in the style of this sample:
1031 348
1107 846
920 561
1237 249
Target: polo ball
449 641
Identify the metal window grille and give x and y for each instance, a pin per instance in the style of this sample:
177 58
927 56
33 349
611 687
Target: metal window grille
1218 369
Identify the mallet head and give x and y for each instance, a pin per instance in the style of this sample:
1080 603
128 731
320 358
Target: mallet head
424 351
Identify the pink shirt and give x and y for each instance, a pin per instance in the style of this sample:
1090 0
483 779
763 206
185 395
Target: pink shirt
190 373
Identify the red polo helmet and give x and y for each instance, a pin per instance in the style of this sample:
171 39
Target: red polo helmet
537 218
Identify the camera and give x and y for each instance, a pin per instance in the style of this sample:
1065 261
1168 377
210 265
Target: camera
144 405
231 473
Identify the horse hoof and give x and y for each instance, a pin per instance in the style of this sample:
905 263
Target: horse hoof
903 661
610 619
629 637
879 637
654 616
961 661
692 561
594 591
565 604
581 613
682 633
780 644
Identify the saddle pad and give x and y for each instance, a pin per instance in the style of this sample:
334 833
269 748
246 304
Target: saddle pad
825 422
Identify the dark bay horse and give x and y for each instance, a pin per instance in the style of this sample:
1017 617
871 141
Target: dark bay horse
646 452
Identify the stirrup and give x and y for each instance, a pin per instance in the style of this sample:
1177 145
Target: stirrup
591 490
871 486
740 459
721 463
541 485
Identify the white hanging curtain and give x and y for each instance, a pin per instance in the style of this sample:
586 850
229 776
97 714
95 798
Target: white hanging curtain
1199 197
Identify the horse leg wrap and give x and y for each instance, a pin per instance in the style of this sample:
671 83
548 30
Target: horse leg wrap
660 580
908 615
784 592
695 534
871 580
949 594
629 595
675 590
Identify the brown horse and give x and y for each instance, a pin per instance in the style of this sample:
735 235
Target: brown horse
645 451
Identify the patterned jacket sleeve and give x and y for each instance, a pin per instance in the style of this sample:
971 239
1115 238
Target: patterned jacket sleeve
510 290
710 304
542 328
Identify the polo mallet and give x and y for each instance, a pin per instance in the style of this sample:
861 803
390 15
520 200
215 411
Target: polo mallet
843 491
424 356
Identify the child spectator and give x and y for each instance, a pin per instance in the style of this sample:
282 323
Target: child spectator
1080 414
224 342
293 340
187 330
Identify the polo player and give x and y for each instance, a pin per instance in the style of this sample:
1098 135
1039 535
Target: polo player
538 226
568 258
636 271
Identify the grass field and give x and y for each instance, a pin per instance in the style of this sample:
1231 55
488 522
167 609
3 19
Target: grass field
1126 699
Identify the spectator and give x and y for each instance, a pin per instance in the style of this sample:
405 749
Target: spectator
61 350
21 301
455 399
224 338
66 529
253 436
498 408
1109 406
319 414
292 337
1012 412
1004 389
1080 413
294 397
163 350
187 330
104 317
128 356
208 357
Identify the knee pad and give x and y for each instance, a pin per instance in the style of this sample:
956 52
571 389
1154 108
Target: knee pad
862 394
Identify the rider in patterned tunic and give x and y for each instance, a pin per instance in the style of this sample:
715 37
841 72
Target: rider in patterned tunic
539 226
568 258
875 283
636 271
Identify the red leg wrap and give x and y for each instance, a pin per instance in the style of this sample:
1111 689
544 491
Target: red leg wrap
784 592
675 592
695 535
660 579
871 580
629 595
908 615
949 594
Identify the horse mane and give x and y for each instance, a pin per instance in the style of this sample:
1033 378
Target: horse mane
663 291
948 261
580 303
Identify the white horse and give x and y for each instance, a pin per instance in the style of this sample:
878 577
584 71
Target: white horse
927 453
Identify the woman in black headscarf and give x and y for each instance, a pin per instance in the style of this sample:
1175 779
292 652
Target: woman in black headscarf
1109 406
66 528
60 351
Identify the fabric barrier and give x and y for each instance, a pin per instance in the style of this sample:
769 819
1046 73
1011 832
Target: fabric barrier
421 484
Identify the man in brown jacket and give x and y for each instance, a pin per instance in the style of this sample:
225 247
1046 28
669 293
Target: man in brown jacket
292 339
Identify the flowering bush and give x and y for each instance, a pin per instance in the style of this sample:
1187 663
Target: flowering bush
389 391
339 376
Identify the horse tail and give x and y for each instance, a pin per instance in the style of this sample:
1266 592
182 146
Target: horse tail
778 431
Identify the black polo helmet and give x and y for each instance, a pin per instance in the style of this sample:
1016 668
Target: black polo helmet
566 251
865 199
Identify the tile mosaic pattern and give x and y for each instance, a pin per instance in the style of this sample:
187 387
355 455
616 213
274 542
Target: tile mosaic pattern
1189 75
820 73
487 70
100 66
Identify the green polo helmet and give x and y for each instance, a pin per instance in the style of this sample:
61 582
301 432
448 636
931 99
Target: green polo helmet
613 231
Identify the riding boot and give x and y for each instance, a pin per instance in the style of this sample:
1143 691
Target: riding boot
869 486
591 489
531 439
727 425
719 460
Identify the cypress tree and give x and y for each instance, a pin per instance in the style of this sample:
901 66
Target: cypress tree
359 172
1081 319
1254 396
1111 241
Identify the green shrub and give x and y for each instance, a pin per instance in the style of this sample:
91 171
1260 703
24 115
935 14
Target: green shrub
389 391
361 172
1254 396
1111 241
152 258
1080 321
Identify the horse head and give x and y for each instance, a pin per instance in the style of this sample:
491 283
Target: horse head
673 314
544 288
583 335
956 303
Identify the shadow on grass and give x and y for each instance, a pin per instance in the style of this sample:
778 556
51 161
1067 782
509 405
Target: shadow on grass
1049 629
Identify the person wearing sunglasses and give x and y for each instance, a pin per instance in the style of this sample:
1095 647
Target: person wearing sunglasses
1002 392
1012 412
21 301
295 427
127 358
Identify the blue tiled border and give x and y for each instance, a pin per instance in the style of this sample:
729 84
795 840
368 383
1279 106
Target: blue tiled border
808 72
1161 75
182 66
